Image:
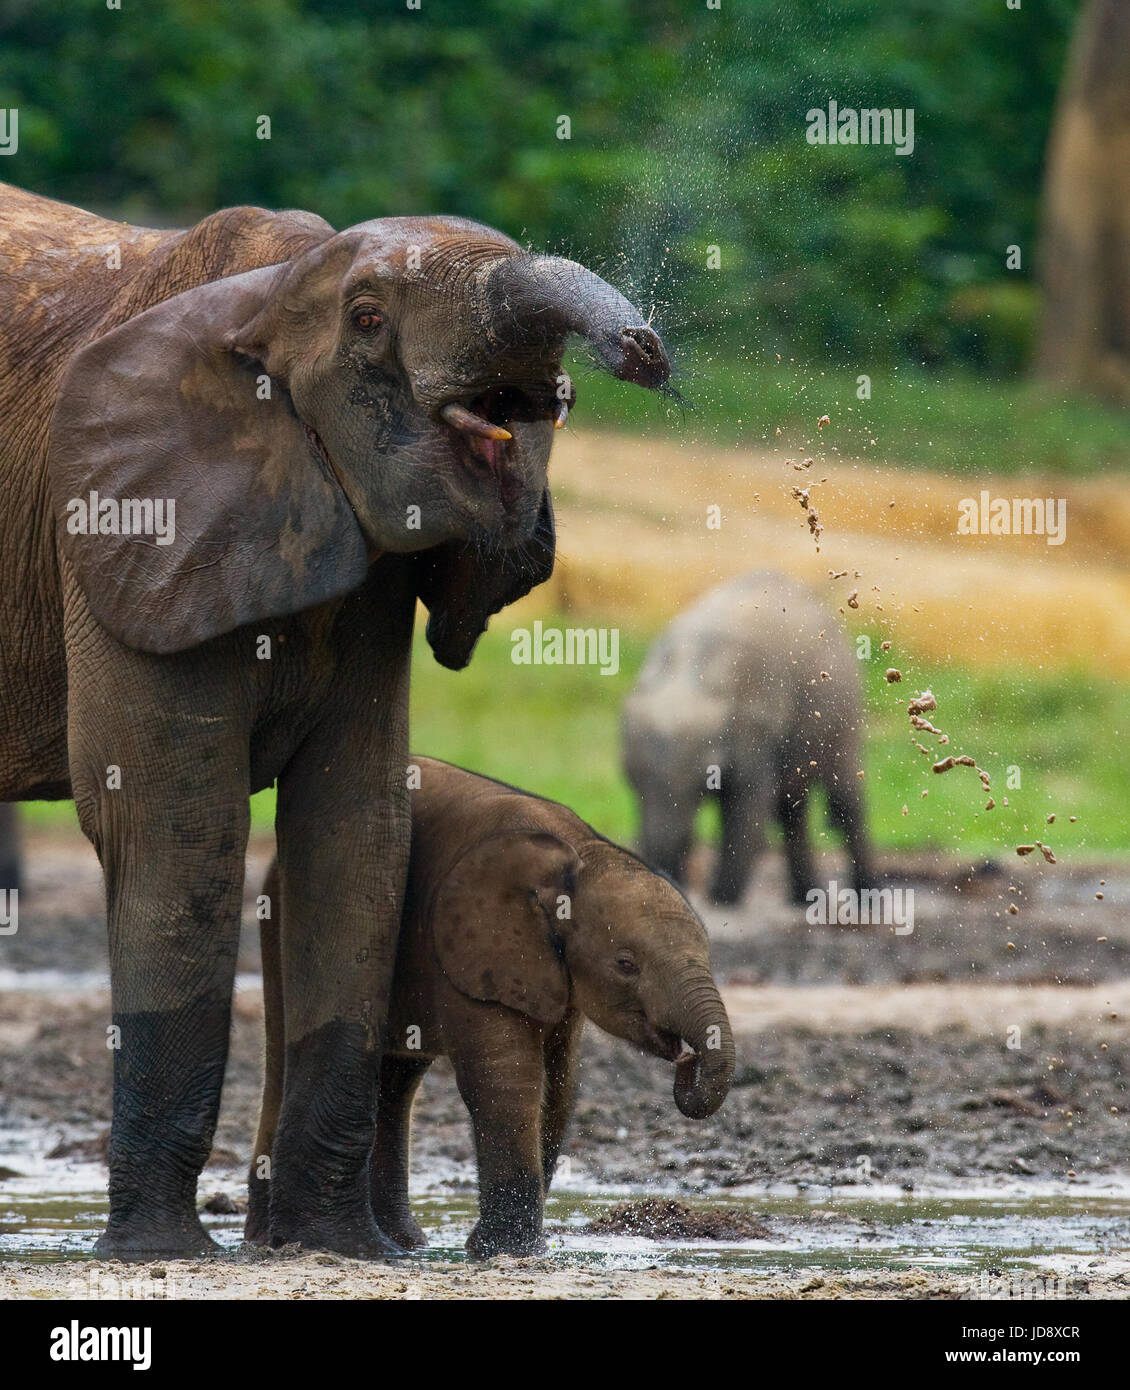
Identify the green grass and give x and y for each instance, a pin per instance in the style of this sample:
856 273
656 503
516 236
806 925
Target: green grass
1059 735
954 423
555 730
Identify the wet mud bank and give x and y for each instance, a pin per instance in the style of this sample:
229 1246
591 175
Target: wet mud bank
870 1068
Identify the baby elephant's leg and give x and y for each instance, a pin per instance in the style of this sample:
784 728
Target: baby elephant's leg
792 813
746 799
500 1071
845 801
388 1166
560 1083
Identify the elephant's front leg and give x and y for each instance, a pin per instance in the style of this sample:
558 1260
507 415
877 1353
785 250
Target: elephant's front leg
561 1048
162 791
343 838
500 1070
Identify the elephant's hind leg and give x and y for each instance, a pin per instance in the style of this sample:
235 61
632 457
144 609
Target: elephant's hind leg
388 1167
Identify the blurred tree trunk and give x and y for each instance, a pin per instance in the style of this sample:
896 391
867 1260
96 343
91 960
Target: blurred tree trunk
1085 256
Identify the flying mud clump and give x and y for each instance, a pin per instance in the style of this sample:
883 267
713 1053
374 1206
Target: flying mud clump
1045 850
814 525
916 710
852 599
802 494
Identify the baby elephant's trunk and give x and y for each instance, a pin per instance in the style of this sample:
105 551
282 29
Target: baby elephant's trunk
702 1078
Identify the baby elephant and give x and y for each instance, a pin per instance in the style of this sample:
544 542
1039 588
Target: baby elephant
752 695
519 922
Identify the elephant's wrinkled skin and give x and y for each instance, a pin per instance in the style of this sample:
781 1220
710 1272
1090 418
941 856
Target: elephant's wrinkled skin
325 411
751 694
519 922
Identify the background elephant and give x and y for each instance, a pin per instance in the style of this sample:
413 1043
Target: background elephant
315 409
10 857
519 922
752 694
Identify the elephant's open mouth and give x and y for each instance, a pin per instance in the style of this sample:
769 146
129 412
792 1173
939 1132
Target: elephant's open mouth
483 425
502 405
662 1043
489 415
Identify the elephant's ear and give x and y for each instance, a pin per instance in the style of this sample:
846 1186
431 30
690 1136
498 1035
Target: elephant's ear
492 921
189 497
462 586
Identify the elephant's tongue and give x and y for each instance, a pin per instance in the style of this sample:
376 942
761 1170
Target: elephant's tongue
505 471
489 450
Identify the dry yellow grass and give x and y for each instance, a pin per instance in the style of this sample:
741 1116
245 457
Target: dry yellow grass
635 546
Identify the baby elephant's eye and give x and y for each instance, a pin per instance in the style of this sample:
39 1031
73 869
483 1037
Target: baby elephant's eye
367 319
626 965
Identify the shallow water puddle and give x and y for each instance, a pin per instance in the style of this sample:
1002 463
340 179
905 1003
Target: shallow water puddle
967 1234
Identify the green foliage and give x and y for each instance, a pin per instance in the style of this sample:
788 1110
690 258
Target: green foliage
688 131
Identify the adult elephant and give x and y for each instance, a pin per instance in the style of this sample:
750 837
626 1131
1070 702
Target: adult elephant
233 456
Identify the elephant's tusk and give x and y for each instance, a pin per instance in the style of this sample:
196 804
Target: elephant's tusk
460 418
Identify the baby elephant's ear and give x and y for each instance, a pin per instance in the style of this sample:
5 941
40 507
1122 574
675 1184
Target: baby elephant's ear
189 496
463 586
492 922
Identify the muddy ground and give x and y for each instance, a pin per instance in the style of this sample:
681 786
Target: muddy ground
864 1057
252 1275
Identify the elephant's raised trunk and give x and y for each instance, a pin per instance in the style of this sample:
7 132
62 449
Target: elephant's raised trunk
702 1079
550 294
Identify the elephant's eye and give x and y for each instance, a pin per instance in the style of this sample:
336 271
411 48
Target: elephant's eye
626 965
367 319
